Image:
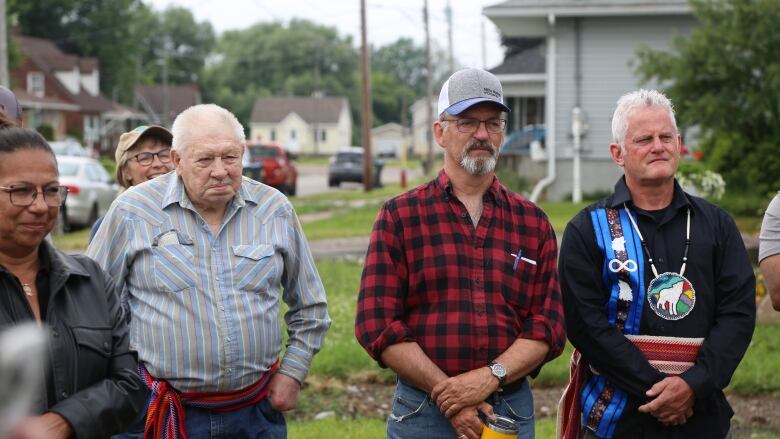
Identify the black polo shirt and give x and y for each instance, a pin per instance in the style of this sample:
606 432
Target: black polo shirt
724 312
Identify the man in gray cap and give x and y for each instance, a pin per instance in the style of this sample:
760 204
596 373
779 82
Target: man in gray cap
459 294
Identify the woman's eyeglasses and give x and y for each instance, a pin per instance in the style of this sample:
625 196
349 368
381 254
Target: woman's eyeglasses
23 195
146 158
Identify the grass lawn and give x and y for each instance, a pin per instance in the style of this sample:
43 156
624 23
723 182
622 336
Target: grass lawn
74 241
341 356
360 428
373 428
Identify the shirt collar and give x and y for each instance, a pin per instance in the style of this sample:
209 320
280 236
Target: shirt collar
622 195
55 263
444 184
175 193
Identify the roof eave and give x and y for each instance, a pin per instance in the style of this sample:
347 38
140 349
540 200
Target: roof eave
584 11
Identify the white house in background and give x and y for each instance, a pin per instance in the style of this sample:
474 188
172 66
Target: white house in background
588 48
421 127
303 125
389 140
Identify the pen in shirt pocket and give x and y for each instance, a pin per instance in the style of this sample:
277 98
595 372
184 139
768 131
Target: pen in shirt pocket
519 257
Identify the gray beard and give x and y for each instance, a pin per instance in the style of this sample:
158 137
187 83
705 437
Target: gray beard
478 166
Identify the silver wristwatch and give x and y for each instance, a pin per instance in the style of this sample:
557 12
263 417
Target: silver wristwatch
499 371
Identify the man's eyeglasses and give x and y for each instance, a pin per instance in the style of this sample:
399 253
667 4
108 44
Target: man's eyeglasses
146 158
468 125
24 195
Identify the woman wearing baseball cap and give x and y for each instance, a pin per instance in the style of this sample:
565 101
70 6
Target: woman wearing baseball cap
142 154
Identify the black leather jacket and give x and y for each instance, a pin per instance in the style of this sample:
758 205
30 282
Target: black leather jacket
93 374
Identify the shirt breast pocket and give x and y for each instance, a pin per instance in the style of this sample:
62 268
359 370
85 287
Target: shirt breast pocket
174 267
254 267
517 277
93 354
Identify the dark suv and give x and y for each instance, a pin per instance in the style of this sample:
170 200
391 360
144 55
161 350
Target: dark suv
347 165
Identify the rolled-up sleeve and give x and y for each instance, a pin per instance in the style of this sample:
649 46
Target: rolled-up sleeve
383 286
545 321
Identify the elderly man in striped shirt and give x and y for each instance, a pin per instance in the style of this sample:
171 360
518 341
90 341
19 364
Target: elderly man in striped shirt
201 257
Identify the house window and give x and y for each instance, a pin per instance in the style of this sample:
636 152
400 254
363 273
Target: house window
273 135
35 84
323 135
293 133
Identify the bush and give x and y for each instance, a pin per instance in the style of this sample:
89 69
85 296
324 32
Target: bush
47 131
512 180
109 165
745 204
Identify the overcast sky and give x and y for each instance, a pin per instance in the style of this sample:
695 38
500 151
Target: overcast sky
388 20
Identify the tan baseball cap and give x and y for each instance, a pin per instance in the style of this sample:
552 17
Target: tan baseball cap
128 140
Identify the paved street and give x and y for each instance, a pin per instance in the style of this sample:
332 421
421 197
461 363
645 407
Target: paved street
313 179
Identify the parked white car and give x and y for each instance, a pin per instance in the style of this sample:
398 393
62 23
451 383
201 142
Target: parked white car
69 147
90 191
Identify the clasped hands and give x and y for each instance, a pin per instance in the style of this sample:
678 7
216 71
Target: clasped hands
462 397
672 402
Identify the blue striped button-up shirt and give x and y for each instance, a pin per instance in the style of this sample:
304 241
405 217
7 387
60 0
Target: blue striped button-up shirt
205 307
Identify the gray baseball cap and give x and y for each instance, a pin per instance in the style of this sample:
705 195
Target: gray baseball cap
10 105
469 87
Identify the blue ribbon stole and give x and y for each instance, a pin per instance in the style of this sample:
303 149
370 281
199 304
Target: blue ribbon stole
623 276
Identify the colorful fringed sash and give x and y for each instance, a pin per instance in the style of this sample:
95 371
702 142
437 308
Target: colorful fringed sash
593 401
165 414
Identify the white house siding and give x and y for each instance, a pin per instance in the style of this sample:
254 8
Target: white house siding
341 134
91 82
70 79
609 46
335 135
420 127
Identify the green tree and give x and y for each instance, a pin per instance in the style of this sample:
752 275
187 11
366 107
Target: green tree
725 79
388 96
271 59
104 29
175 38
399 72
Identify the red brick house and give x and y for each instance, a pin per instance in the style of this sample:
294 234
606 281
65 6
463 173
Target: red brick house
63 91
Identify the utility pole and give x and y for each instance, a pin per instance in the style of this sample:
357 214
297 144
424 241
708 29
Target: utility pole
165 89
484 46
448 13
316 99
3 47
429 97
368 158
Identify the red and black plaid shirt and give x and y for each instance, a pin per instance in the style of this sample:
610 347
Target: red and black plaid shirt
430 277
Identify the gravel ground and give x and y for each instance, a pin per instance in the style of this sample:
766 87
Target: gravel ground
753 414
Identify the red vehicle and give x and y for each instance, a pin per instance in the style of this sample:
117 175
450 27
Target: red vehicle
277 167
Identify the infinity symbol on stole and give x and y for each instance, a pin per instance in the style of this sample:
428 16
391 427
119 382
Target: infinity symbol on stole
616 265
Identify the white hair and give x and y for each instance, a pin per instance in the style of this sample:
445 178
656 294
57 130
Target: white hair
203 115
630 102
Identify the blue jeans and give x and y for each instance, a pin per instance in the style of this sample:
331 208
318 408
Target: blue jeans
259 421
415 415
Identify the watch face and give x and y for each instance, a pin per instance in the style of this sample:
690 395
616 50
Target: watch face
498 370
